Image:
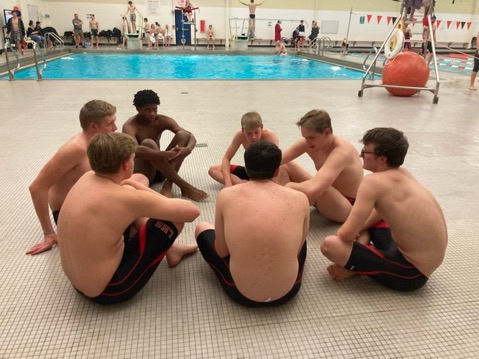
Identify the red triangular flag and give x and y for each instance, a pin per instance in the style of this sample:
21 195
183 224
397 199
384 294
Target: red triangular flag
469 24
369 18
458 23
449 23
389 19
379 18
438 22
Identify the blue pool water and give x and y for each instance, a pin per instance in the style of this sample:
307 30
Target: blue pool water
198 67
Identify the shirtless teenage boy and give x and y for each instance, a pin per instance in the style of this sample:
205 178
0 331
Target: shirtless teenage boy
333 188
210 37
94 29
257 247
146 128
60 173
131 10
252 16
113 231
252 131
404 255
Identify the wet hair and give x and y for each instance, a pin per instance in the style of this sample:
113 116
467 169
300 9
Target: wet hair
262 159
95 111
106 152
251 120
145 97
388 142
30 22
316 120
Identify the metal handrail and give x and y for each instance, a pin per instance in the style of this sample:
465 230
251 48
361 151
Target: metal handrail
373 74
324 43
55 38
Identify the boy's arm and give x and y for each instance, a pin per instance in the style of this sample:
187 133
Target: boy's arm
293 151
173 126
62 162
220 241
147 203
145 152
229 154
368 192
328 173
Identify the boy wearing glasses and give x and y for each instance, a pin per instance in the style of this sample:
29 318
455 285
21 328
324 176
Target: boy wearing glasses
404 253
333 188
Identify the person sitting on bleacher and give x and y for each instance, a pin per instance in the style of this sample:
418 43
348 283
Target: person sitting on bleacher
34 34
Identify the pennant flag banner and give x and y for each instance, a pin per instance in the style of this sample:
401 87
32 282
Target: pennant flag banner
379 18
462 24
449 23
438 23
389 19
369 18
469 25
394 19
458 23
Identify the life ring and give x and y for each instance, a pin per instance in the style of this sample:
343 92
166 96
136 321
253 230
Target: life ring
398 36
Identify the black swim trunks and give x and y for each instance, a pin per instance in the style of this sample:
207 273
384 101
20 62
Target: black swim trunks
55 215
252 16
142 255
384 263
206 244
476 61
240 172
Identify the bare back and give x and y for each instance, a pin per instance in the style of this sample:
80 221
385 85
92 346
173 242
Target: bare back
91 253
94 216
264 226
416 219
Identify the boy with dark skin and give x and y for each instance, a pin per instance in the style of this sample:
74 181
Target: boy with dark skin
157 165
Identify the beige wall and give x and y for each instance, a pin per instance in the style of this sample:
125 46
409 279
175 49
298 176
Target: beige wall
219 12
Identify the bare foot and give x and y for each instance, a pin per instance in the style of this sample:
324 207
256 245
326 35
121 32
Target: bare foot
194 193
472 88
338 272
177 251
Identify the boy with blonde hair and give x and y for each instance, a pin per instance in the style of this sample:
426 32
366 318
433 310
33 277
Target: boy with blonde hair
252 130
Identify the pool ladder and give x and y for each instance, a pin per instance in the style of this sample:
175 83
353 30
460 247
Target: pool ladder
11 70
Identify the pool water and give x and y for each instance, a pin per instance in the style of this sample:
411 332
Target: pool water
198 67
450 63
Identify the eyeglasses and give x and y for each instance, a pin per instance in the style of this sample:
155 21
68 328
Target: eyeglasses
363 152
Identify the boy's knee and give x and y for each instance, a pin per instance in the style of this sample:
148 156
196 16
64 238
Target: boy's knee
328 244
182 138
201 227
148 142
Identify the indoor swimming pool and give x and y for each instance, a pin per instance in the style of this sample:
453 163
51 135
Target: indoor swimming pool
186 67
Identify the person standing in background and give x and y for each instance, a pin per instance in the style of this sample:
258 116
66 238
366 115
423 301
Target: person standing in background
78 31
94 29
277 31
